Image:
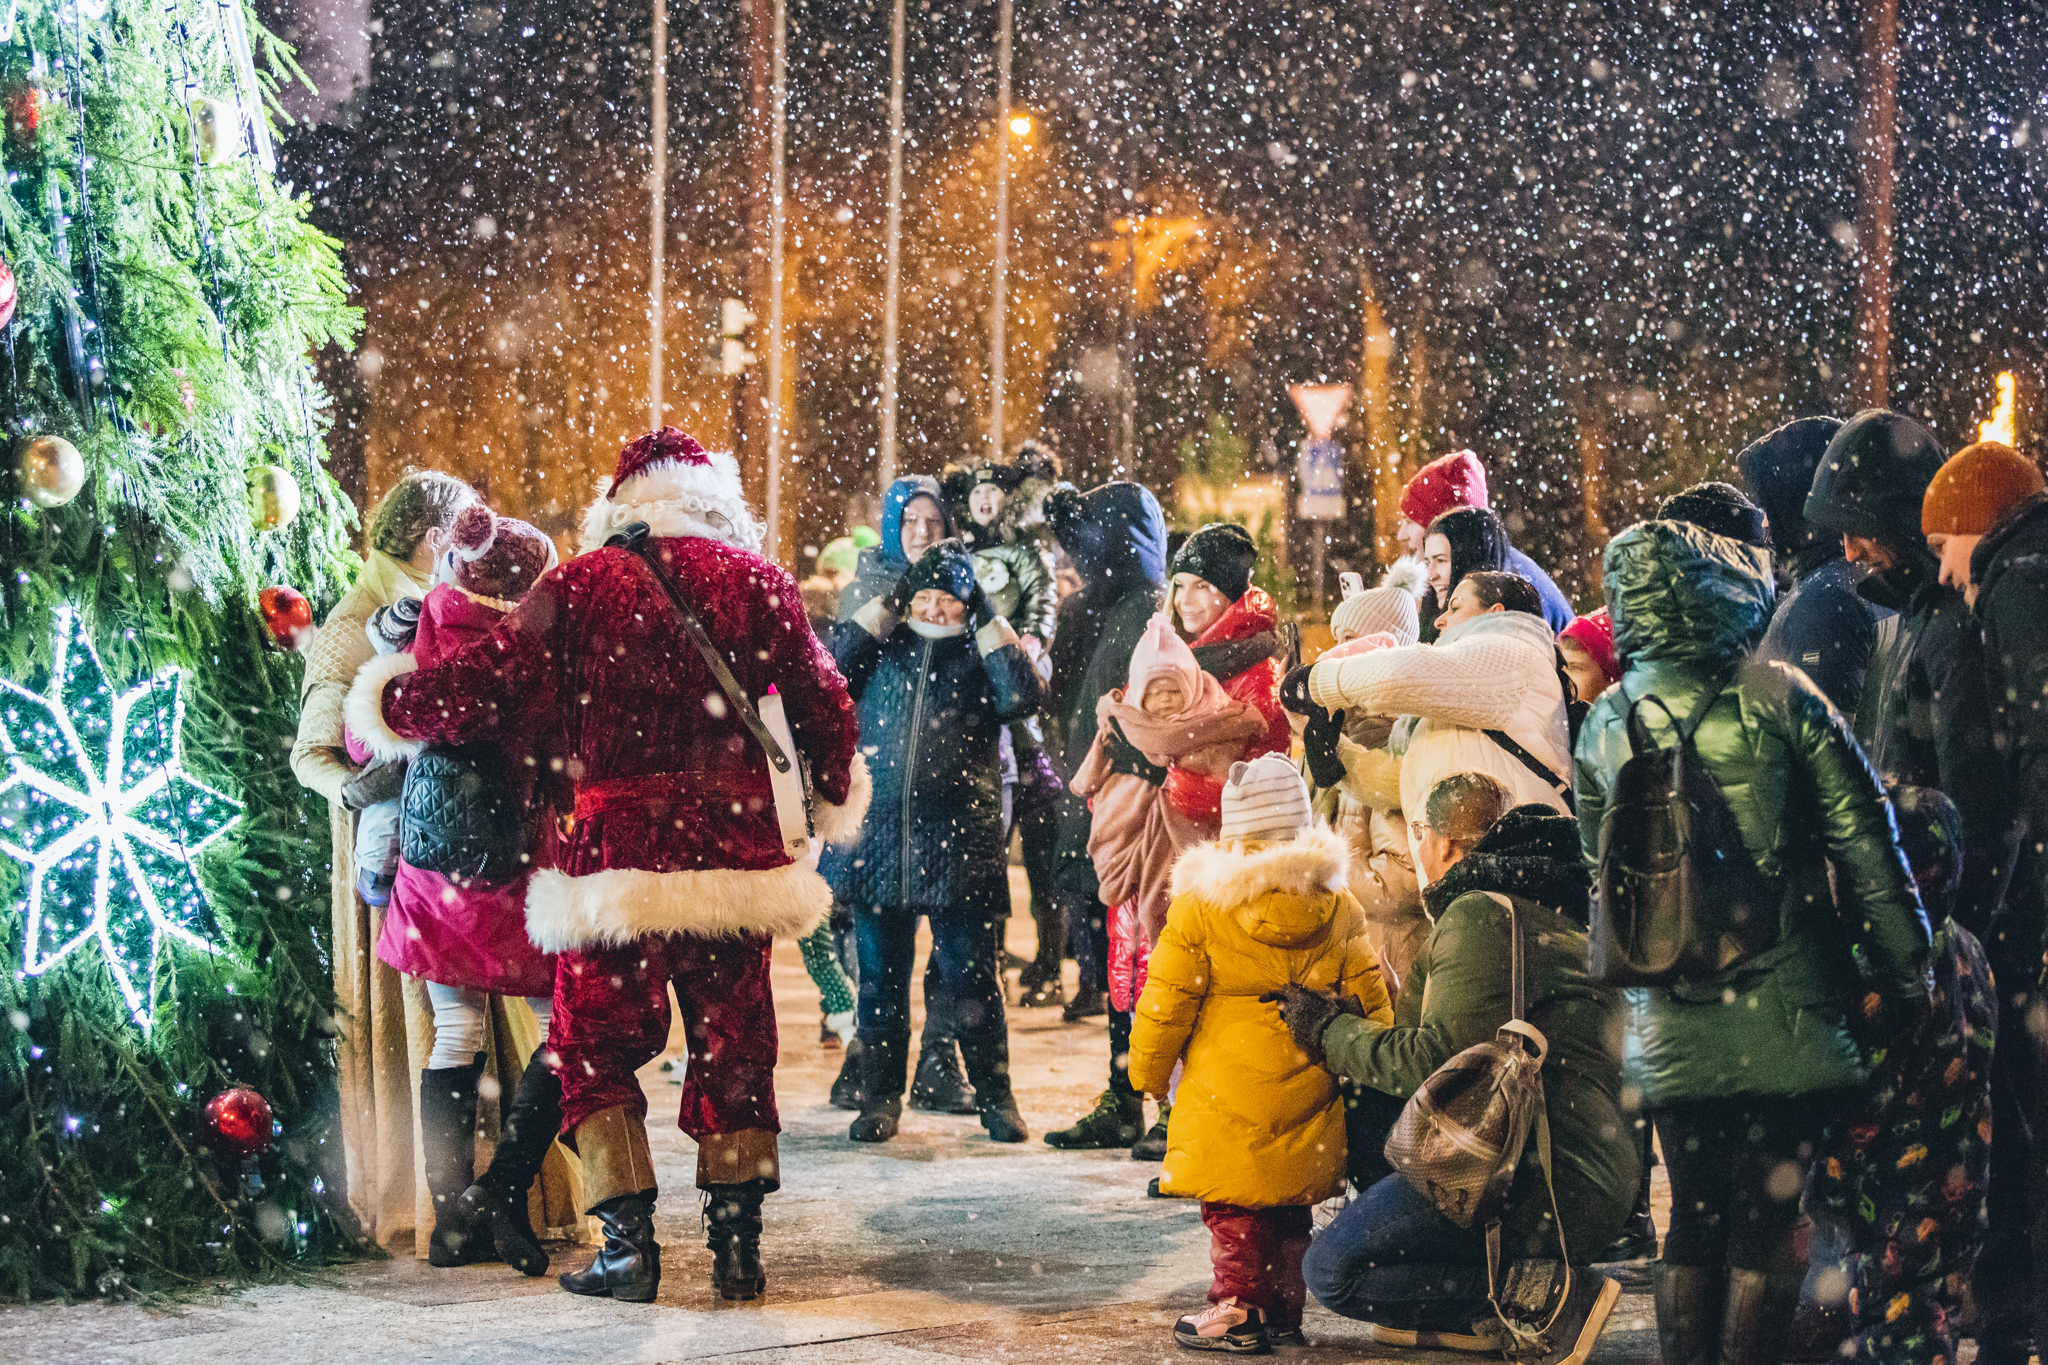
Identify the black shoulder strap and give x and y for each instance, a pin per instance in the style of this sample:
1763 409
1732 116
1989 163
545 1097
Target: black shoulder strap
633 539
1536 766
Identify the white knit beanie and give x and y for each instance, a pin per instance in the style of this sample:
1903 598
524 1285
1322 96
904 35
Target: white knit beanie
1265 799
1390 609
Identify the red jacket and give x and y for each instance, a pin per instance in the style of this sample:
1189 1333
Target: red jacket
675 828
1196 795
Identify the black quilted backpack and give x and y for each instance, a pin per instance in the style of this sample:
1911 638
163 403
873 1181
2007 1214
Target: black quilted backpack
460 814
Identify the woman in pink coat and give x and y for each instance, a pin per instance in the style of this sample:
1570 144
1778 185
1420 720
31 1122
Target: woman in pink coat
465 936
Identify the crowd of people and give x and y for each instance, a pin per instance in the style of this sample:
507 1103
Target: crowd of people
1299 894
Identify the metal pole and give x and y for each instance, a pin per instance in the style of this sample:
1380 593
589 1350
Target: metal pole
657 215
892 284
778 192
1876 140
999 304
1127 357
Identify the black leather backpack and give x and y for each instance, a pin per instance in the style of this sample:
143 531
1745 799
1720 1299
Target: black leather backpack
1677 896
460 814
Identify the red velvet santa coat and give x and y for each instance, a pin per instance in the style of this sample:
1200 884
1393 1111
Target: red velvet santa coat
1199 796
675 829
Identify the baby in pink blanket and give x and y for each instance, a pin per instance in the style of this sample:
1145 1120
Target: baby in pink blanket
1170 715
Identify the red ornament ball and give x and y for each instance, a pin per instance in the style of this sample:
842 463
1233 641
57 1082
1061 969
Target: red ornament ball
24 112
288 615
6 293
240 1118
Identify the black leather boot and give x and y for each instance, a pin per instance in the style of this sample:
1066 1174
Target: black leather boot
988 1066
499 1195
732 1221
1688 1311
847 1089
884 1063
628 1266
941 1086
1756 1315
448 1142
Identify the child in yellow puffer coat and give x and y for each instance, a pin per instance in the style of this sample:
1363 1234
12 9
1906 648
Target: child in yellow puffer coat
1258 1129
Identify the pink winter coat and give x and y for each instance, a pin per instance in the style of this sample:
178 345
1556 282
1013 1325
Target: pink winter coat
473 934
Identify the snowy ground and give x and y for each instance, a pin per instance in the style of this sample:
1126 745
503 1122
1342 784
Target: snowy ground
940 1246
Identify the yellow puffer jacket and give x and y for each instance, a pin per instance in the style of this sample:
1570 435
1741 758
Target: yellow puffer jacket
1255 1122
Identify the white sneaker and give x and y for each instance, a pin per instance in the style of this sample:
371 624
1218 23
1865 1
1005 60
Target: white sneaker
1226 1325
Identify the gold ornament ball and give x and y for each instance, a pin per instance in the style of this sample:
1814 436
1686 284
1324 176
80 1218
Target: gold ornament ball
273 497
48 470
217 128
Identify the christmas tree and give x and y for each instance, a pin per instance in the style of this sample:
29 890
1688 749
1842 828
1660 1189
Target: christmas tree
163 884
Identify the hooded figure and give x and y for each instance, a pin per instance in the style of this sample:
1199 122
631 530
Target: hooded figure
1820 626
1925 717
881 567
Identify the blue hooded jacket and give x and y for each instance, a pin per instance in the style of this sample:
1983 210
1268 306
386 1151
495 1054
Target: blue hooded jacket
1821 626
881 566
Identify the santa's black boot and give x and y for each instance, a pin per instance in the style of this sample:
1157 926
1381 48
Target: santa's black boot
732 1221
499 1195
628 1266
448 1144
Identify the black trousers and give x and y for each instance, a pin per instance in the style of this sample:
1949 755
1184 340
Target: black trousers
1737 1167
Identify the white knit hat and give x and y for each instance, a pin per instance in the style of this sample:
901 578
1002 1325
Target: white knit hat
1265 799
1390 609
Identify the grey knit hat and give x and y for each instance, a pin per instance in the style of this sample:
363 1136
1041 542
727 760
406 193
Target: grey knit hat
1390 609
1265 799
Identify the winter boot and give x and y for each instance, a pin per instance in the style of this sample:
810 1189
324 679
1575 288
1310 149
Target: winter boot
847 1089
1688 1311
732 1221
1152 1146
941 1086
1756 1315
988 1065
1117 1120
1089 1002
628 1266
884 1061
448 1136
499 1195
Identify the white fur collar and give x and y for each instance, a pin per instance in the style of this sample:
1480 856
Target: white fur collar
706 502
1227 874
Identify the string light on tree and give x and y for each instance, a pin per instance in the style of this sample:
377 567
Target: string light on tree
96 803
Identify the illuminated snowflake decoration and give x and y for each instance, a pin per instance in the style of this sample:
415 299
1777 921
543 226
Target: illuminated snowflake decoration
96 803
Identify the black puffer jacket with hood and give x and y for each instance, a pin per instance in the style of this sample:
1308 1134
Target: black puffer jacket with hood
2010 569
1820 626
1925 714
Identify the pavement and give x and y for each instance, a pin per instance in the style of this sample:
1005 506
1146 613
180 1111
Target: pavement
939 1246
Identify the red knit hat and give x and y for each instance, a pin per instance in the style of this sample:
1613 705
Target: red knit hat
497 557
1594 633
666 479
1454 480
1979 484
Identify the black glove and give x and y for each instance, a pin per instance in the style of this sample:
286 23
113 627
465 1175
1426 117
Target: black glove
980 611
1294 692
1307 1015
896 601
1126 757
1319 745
377 782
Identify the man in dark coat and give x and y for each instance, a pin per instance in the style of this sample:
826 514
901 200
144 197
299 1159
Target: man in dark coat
1116 538
1925 714
1821 626
1986 518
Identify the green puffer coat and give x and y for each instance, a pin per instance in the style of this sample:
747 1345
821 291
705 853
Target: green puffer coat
1019 585
1687 605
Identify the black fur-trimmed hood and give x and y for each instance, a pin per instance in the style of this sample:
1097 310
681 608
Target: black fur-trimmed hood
1532 853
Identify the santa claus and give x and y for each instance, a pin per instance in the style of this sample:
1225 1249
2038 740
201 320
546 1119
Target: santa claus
675 870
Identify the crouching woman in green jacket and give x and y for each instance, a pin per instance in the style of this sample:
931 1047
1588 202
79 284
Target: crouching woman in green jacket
1740 1072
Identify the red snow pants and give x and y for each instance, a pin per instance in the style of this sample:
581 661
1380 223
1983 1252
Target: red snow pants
611 1018
1257 1254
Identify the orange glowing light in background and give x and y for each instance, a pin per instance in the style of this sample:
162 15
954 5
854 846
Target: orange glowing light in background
2001 428
1020 124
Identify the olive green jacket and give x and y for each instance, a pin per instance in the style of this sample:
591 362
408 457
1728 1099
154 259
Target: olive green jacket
1688 605
1458 994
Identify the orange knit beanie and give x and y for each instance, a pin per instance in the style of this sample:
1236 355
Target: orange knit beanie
1977 486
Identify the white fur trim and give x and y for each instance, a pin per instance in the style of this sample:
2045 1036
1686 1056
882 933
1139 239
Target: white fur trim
1225 874
841 824
621 904
363 712
706 501
875 619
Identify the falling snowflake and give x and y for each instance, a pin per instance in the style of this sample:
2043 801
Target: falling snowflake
96 802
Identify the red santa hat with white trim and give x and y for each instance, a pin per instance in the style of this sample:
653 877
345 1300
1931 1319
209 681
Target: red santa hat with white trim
678 488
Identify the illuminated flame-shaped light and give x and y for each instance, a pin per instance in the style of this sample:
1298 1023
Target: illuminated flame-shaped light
2001 427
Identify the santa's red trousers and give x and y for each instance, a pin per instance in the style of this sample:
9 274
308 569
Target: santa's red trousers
611 1018
1257 1254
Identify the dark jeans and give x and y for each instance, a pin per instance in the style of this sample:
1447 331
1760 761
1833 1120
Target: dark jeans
1737 1167
2008 1278
962 947
1390 1257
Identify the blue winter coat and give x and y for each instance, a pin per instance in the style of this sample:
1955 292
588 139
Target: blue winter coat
1557 608
879 566
931 710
